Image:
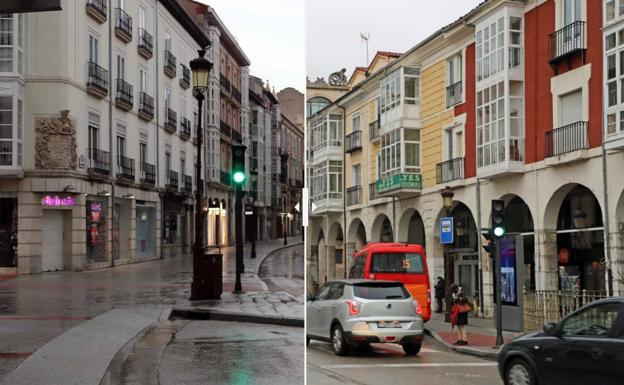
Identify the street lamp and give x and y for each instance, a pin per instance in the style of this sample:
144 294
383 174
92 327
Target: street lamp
254 186
447 201
284 191
200 68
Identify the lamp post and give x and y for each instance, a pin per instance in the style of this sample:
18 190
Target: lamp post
254 219
284 213
200 68
447 201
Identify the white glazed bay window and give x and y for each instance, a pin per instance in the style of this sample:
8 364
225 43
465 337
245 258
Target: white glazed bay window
12 43
327 180
400 152
11 127
614 81
399 89
327 131
500 90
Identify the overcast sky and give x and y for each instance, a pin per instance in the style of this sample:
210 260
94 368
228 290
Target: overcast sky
333 29
272 34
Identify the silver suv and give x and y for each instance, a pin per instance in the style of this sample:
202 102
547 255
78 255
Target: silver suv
354 312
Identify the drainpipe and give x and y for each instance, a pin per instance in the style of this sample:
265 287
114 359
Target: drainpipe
606 203
110 129
162 205
344 191
479 246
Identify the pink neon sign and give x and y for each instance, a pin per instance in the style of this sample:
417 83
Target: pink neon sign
56 201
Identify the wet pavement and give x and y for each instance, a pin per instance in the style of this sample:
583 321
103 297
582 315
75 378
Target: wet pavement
36 308
283 270
434 365
216 353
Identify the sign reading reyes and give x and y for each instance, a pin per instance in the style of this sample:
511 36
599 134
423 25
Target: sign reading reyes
399 181
56 201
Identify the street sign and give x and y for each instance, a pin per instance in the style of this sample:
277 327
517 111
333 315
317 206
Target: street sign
446 230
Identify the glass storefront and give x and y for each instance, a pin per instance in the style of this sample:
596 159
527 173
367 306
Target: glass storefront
96 229
145 230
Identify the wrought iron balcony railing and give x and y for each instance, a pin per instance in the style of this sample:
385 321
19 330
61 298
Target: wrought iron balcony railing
124 98
146 44
99 161
567 40
148 174
236 94
123 25
236 136
226 178
185 79
450 170
372 191
171 120
97 9
170 64
225 129
97 80
188 184
146 106
172 180
566 139
454 94
125 168
185 129
353 141
225 83
354 195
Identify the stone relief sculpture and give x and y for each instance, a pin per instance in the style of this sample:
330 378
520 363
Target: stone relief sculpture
55 143
338 78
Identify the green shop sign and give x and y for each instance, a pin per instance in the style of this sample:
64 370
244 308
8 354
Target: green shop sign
399 181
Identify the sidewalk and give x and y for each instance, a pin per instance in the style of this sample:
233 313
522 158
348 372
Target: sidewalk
481 335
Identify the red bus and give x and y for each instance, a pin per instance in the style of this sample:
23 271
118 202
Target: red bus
396 262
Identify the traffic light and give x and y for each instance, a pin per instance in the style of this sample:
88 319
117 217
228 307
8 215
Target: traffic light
488 244
238 163
498 218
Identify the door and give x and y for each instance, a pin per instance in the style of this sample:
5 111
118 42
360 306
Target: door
329 307
313 311
466 273
52 248
585 350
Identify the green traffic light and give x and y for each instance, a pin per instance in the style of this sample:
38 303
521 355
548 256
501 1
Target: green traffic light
499 231
239 177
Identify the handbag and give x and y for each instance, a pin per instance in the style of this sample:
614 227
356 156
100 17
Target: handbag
454 315
463 307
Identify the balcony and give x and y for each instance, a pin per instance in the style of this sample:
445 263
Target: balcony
454 94
400 185
170 64
236 94
124 98
225 83
146 44
372 191
172 181
225 129
567 41
450 170
125 168
353 142
99 162
561 142
185 79
148 174
185 129
123 25
327 202
373 131
98 10
171 121
146 107
237 137
226 179
187 187
354 195
97 80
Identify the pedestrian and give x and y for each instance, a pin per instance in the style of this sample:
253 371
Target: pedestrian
439 293
459 313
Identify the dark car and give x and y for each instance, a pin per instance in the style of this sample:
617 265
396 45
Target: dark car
585 347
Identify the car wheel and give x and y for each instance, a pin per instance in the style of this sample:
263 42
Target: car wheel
411 348
519 372
307 340
339 342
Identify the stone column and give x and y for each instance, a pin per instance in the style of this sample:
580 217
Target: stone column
617 261
331 262
546 269
350 247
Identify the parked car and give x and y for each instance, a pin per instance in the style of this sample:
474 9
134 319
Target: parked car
391 261
585 347
347 313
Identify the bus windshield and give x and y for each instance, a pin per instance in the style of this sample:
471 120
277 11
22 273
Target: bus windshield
406 263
